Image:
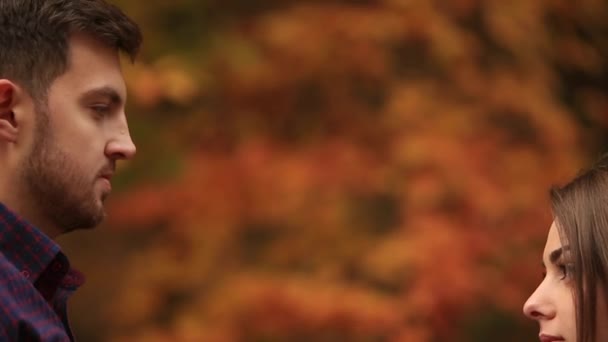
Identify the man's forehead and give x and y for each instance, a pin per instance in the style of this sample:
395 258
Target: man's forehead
92 65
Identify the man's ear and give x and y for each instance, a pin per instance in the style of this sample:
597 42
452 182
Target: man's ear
9 93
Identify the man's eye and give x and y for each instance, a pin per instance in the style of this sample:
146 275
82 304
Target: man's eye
100 110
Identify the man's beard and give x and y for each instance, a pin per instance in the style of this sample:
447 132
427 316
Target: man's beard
60 190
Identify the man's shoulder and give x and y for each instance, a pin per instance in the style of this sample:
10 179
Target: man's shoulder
15 287
24 313
14 283
7 268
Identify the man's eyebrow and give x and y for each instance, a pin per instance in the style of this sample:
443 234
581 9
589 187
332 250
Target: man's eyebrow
105 91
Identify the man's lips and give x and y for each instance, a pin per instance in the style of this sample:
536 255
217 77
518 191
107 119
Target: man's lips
549 338
107 176
107 173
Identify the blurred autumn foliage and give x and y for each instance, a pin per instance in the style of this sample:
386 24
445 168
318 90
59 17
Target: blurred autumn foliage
351 170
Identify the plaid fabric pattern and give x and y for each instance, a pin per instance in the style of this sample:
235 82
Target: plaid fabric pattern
35 283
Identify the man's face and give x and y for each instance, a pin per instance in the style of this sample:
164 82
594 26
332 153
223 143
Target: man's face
81 132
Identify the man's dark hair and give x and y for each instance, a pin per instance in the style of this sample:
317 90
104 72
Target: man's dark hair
34 37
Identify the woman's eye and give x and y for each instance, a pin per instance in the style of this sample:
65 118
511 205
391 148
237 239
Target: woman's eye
566 270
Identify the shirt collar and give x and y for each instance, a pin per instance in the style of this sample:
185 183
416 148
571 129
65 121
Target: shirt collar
25 246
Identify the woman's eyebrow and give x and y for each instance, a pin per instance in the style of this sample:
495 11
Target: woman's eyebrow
556 254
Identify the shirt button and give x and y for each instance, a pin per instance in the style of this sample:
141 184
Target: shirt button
57 266
25 274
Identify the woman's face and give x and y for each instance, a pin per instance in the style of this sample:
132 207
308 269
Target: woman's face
552 304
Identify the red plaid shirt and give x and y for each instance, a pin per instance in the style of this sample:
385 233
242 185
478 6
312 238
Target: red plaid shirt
35 283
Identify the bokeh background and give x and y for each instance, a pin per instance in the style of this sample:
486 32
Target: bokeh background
361 170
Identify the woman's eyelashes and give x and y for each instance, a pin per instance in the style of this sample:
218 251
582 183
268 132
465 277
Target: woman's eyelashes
566 270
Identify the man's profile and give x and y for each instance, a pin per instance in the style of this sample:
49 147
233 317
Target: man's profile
62 130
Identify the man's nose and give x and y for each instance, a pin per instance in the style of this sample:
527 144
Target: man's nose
121 145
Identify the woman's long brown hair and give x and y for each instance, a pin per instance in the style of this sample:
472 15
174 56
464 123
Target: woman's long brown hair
581 214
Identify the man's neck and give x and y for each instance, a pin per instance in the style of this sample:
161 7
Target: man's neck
26 212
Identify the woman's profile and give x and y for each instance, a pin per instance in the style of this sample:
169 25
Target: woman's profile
570 302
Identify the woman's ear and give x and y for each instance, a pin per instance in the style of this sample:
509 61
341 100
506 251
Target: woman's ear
8 99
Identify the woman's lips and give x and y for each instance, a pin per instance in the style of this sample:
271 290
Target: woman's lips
549 338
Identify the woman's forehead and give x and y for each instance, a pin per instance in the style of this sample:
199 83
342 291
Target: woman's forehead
553 240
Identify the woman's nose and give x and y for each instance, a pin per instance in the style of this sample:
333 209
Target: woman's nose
539 306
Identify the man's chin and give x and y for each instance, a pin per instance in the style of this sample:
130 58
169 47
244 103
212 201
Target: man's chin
97 219
88 219
92 224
